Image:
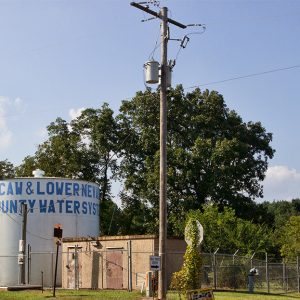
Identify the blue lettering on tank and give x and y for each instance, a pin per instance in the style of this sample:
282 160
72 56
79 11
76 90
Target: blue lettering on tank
84 190
13 206
76 188
69 206
2 184
31 204
68 189
10 190
59 188
50 188
60 203
76 207
51 207
84 207
19 187
4 206
38 189
89 191
43 206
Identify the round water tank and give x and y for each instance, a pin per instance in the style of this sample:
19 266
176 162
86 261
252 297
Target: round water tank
72 203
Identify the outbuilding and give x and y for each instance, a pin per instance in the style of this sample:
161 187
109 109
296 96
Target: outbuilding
115 262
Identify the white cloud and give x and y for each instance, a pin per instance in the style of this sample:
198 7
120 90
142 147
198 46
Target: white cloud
8 108
74 113
281 183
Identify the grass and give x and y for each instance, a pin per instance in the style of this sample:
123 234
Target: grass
124 295
70 295
245 296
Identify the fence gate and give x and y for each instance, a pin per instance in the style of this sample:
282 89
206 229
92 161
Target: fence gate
74 267
114 270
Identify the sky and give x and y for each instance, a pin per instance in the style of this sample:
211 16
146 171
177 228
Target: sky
60 56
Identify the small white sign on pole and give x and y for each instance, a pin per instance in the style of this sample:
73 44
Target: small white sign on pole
154 263
21 259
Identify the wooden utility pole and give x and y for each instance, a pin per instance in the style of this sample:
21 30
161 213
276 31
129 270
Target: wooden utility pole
162 282
163 15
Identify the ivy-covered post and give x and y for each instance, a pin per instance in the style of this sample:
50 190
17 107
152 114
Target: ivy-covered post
189 277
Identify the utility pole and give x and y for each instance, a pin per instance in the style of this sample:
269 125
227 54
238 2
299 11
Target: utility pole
162 279
23 243
163 15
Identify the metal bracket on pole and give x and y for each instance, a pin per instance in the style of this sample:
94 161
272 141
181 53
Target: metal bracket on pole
157 15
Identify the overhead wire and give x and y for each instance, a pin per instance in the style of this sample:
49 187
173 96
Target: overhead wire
245 76
190 87
155 46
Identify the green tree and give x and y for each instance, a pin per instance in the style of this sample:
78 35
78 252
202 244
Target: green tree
281 211
98 129
27 167
7 169
213 156
84 149
62 155
290 238
224 230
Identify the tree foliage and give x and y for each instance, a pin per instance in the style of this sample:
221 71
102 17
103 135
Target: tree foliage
213 156
290 238
7 169
83 149
226 231
27 167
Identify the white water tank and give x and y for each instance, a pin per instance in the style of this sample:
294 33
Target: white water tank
72 203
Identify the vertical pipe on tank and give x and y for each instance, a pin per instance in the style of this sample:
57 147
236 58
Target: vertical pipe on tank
23 243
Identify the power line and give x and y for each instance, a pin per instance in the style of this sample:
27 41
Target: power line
204 84
246 76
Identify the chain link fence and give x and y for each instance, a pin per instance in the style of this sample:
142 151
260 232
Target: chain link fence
224 271
219 271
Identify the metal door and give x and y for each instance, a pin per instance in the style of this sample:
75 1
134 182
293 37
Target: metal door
114 270
74 268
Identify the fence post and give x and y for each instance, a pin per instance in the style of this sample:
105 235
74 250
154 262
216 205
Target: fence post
28 263
267 274
298 281
283 275
215 268
233 266
233 257
76 266
251 260
52 271
129 266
